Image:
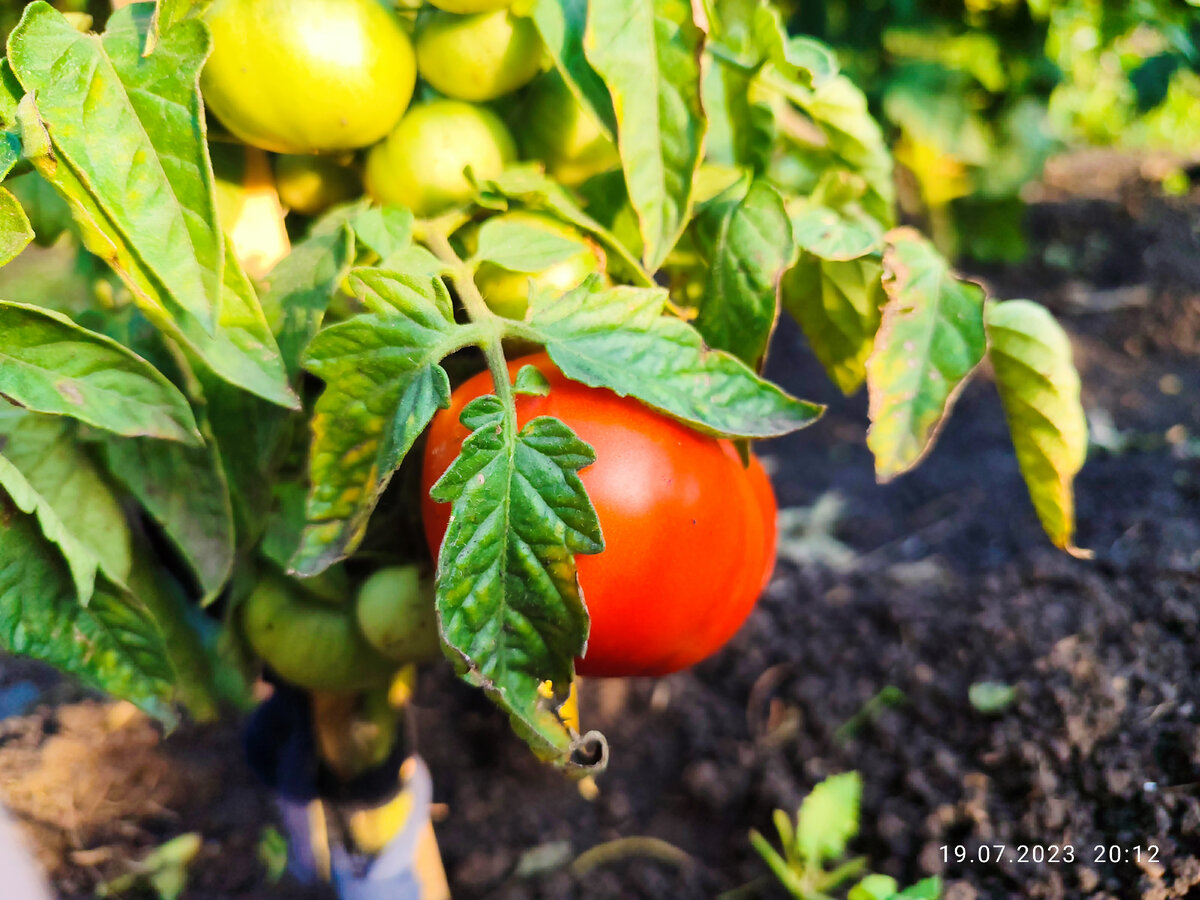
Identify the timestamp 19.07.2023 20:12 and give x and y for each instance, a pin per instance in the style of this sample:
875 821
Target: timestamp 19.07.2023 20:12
983 854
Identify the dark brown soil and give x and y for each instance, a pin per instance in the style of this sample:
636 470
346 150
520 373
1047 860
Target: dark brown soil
950 582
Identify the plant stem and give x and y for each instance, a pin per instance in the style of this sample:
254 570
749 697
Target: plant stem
461 274
843 872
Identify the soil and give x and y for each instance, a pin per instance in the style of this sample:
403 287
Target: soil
888 604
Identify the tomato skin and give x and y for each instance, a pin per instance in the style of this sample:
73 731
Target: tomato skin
507 293
465 7
422 163
556 129
307 76
309 185
685 525
478 57
307 641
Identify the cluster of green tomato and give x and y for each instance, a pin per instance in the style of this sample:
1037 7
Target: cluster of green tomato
317 80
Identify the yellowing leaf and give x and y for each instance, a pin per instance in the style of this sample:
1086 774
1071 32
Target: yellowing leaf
1039 388
930 339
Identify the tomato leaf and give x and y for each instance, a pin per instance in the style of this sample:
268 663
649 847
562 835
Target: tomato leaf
1039 388
618 338
561 24
49 364
15 230
183 489
828 819
132 127
241 350
520 247
531 187
249 435
169 12
648 53
48 475
747 239
849 138
385 230
837 304
383 383
508 597
833 234
299 288
112 644
741 121
930 339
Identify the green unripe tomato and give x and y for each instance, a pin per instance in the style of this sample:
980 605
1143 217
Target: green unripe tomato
308 642
466 7
310 185
397 616
507 293
556 129
478 57
422 164
307 76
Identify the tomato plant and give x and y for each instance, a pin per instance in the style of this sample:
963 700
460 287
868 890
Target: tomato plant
709 520
576 330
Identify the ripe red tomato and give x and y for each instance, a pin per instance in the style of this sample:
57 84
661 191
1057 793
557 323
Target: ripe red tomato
689 532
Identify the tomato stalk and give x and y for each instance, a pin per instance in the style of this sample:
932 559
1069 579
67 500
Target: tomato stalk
462 273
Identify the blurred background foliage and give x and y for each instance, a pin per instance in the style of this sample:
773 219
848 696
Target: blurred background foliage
977 94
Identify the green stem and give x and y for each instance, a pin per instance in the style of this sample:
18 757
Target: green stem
842 873
463 276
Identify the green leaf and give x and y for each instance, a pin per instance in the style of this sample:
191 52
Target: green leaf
779 867
832 234
851 138
132 127
930 339
10 152
531 187
49 364
242 350
618 338
298 290
168 13
648 53
507 593
991 697
747 241
48 213
47 474
874 887
15 230
384 230
815 59
185 491
112 644
561 24
741 124
828 818
837 304
520 247
1039 387
926 889
53 463
530 380
250 436
383 383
